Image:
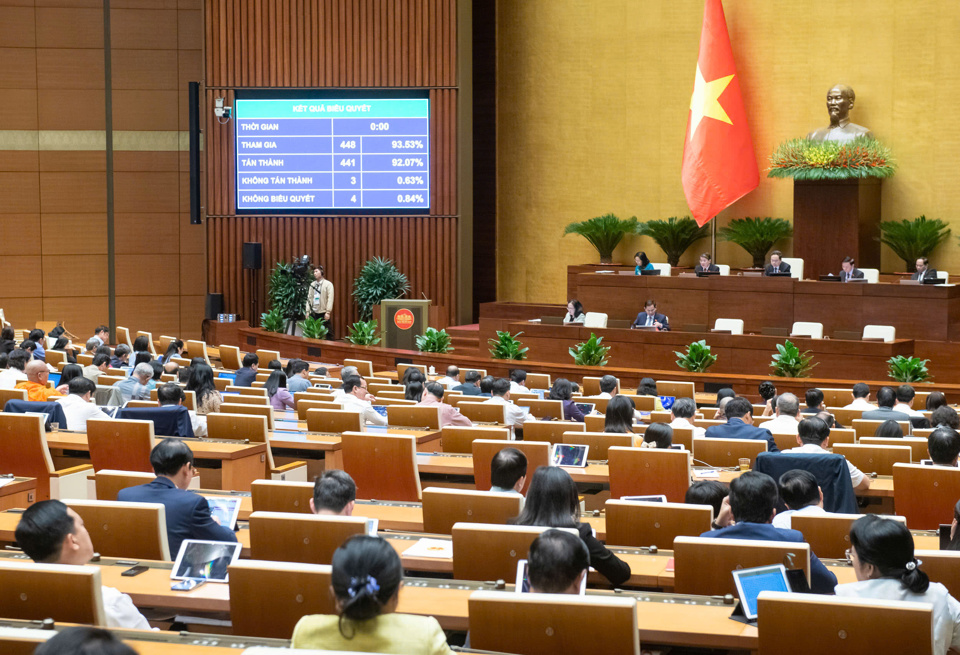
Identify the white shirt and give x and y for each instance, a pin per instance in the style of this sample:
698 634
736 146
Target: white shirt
860 403
783 520
448 382
856 476
684 423
77 411
518 388
946 609
513 415
906 409
9 377
579 319
121 612
782 424
604 394
198 423
363 407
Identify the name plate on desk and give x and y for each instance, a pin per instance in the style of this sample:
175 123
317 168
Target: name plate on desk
915 283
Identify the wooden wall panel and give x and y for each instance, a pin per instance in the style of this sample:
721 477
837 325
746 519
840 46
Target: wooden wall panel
330 44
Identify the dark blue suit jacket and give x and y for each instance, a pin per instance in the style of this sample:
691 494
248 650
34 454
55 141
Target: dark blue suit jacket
737 429
188 514
822 581
642 320
245 377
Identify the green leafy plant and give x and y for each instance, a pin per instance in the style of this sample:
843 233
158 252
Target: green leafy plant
379 280
604 233
313 328
288 289
697 359
590 352
674 235
273 321
364 333
910 240
789 362
756 235
908 369
507 346
806 159
434 341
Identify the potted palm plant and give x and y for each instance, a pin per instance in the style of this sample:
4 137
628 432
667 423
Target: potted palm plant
674 235
756 235
911 240
604 233
379 280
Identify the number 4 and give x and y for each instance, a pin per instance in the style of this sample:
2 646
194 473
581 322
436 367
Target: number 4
353 198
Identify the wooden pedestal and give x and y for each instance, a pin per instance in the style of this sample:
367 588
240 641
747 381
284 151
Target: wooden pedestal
833 219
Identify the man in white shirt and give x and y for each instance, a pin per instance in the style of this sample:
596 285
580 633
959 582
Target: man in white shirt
608 387
14 373
787 420
905 396
356 398
801 494
814 439
77 406
943 446
518 381
500 395
451 379
49 532
682 414
861 398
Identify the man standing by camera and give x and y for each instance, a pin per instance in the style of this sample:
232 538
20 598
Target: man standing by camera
320 299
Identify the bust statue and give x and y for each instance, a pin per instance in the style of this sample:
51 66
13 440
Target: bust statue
839 103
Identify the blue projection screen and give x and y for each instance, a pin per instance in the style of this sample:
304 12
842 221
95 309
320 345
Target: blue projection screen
333 154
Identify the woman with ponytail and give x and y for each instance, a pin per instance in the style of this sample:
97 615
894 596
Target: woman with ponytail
365 582
881 551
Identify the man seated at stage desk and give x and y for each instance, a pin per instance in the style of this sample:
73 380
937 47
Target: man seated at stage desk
776 265
649 317
924 270
356 398
706 265
849 270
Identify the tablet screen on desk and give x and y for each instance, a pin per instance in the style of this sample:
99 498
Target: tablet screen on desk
54 379
207 560
227 376
586 408
381 410
225 510
569 455
645 499
750 582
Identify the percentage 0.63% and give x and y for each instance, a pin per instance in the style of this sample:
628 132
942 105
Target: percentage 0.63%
410 179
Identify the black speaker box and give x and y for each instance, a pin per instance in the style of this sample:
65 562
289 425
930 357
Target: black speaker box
214 305
253 255
194 114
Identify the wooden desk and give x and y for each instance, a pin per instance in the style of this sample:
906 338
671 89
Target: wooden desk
21 492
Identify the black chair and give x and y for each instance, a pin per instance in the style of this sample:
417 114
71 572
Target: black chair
831 472
53 410
168 421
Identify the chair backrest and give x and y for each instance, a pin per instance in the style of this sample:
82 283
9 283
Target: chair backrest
483 551
868 427
239 399
784 440
704 565
595 320
414 416
669 388
724 269
334 420
831 472
925 495
402 368
247 391
267 356
538 380
943 275
123 336
647 471
237 427
665 269
12 394
230 357
194 348
551 431
84 360
842 436
874 459
165 342
307 402
871 275
733 325
109 482
459 439
917 445
127 530
367 457
796 266
281 496
250 410
885 332
442 508
828 534
309 538
541 409
120 444
803 329
296 589
56 357
34 592
536 452
481 412
364 366
24 451
942 566
599 442
533 624
843 625
727 452
654 524
151 347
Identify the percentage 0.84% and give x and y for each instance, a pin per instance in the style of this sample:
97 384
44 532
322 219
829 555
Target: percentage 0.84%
410 179
397 145
407 161
409 197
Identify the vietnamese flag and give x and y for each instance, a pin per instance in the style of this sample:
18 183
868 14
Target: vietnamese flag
719 165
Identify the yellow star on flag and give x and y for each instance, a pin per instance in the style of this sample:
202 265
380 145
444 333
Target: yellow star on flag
705 101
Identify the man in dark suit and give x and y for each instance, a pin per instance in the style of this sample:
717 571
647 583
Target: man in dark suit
753 500
886 399
850 271
188 514
247 374
776 265
739 424
924 271
706 264
651 318
469 386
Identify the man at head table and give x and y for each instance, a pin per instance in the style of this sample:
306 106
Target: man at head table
706 264
649 317
924 270
850 271
776 265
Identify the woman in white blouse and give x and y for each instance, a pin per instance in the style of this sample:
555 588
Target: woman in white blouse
575 312
881 551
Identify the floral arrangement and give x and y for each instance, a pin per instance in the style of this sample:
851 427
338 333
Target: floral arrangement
806 159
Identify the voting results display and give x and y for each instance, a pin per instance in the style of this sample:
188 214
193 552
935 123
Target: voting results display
332 154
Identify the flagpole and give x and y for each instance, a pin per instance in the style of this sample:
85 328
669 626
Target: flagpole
713 238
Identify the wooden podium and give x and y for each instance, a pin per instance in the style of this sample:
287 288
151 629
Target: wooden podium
401 321
833 219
